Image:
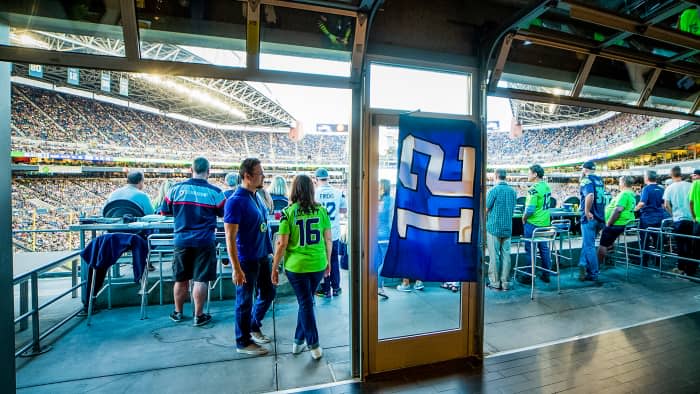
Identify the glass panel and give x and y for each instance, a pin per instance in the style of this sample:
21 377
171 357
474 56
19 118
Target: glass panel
408 307
674 92
66 26
394 87
612 80
193 31
305 41
540 69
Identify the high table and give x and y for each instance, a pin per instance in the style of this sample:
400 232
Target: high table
554 213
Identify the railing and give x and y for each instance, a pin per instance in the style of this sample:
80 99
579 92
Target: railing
31 278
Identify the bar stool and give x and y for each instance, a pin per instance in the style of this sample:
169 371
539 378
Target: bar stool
540 234
631 229
563 229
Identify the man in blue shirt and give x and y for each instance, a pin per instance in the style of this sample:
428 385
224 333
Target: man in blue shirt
195 205
133 192
592 220
651 209
250 251
500 204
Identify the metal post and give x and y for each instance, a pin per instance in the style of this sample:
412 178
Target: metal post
74 276
23 304
7 325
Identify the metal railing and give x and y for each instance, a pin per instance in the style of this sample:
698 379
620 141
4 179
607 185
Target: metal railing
31 278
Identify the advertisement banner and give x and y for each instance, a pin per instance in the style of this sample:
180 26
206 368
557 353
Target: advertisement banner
435 227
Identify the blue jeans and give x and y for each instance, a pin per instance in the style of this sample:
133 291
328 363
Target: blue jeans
589 257
542 246
304 285
333 281
380 255
248 316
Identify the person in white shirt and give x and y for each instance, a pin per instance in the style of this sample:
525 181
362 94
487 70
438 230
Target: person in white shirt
677 204
334 201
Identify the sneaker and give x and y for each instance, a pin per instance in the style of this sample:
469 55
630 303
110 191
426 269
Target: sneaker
677 271
322 294
151 267
316 353
252 349
298 348
201 320
544 278
418 285
582 273
382 293
176 316
337 292
402 287
260 338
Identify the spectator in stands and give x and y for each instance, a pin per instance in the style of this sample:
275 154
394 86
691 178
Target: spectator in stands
195 205
677 204
651 208
385 213
618 214
250 250
536 215
278 193
592 220
305 241
163 190
500 204
232 180
334 202
132 192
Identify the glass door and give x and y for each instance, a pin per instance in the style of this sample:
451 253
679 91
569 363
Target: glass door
411 321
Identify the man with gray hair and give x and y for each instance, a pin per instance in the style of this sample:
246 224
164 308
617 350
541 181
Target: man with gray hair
232 180
195 205
133 191
500 204
651 209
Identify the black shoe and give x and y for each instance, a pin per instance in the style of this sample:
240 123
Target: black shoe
337 292
202 319
526 280
544 278
176 316
322 294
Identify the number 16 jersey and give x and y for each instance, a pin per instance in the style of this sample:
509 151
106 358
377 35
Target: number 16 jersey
306 249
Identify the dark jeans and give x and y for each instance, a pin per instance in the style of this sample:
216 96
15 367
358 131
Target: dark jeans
543 249
649 239
304 285
685 246
258 283
333 281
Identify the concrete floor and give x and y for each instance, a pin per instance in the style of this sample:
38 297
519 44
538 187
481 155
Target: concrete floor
181 358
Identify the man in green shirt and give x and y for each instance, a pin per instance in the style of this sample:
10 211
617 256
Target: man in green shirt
694 198
618 213
536 215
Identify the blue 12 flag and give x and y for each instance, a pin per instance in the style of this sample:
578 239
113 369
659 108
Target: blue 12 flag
435 229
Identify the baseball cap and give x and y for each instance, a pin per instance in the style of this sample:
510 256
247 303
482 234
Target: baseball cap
589 165
322 173
696 172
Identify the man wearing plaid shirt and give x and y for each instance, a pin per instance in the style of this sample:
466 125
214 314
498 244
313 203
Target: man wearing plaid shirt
500 204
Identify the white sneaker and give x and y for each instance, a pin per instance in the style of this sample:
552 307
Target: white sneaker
298 348
252 349
316 353
418 285
402 287
259 338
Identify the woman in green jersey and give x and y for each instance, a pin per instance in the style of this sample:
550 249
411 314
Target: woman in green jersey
305 241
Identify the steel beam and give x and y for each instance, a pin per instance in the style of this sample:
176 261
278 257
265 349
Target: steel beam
500 62
646 92
160 67
582 76
696 106
359 46
518 94
600 17
130 29
322 8
576 44
253 35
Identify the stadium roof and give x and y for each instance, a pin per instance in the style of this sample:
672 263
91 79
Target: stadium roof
218 101
541 114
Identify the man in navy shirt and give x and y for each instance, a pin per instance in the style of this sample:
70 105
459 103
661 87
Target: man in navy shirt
651 209
250 251
194 204
592 220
